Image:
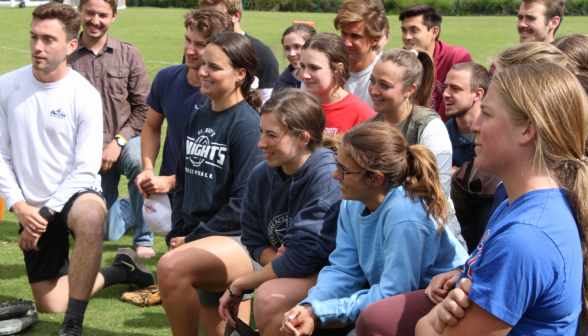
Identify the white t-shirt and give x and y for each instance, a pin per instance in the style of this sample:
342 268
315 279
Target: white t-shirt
358 83
50 138
436 139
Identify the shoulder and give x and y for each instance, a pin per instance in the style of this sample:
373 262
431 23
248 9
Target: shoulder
80 83
8 79
258 173
258 45
459 54
170 73
398 208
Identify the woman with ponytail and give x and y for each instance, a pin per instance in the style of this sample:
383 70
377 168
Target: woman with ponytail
401 86
391 239
219 151
289 213
528 273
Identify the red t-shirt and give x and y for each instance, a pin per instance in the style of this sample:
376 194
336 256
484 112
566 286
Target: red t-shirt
346 113
445 57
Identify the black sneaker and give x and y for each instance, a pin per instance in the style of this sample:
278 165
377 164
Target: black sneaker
71 328
138 274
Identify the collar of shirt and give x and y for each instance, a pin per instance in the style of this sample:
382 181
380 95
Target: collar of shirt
110 44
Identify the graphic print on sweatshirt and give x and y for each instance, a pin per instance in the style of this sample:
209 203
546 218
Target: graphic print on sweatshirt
277 229
438 88
202 151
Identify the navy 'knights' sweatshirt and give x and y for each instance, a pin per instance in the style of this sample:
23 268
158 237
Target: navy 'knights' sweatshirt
300 212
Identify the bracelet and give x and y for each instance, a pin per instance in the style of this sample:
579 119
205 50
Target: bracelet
148 169
247 291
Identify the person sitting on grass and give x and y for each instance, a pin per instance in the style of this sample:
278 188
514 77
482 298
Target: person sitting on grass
219 151
536 242
391 236
293 40
324 69
289 213
400 86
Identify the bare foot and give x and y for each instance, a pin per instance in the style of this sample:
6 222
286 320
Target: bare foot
145 252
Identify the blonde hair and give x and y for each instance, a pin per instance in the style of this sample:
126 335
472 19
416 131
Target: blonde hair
532 52
368 11
379 148
552 99
419 70
233 6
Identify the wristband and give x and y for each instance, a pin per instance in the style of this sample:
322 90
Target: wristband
148 169
247 291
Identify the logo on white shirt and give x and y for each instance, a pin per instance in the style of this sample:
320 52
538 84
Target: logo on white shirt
57 114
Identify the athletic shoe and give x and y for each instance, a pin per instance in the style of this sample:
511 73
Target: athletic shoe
16 325
143 297
138 274
15 309
71 328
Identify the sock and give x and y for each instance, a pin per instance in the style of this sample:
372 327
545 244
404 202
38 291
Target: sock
114 275
75 310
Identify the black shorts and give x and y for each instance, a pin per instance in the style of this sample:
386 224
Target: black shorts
52 259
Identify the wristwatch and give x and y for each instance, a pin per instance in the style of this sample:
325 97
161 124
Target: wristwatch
45 212
120 140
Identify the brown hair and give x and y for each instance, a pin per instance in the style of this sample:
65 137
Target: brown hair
333 47
551 98
113 4
553 8
532 52
208 21
240 52
301 29
298 112
419 70
379 148
575 46
233 6
368 11
479 77
70 20
583 79
430 16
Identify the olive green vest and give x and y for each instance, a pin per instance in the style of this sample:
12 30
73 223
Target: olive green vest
413 126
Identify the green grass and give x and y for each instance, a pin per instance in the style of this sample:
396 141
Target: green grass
158 33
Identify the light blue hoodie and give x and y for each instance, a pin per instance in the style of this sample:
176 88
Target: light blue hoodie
396 249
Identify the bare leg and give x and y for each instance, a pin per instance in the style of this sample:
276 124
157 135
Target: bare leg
86 219
214 325
51 295
275 297
209 264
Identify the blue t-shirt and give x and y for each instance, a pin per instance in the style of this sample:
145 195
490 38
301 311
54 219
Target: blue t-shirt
527 269
176 99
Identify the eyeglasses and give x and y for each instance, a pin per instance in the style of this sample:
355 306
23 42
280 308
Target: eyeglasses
343 171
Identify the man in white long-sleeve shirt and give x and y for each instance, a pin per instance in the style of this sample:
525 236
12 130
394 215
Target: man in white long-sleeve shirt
50 134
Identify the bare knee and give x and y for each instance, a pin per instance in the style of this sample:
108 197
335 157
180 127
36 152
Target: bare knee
86 218
51 296
169 276
268 303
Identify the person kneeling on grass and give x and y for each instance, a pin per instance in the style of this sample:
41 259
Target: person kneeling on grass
219 151
528 273
391 236
289 214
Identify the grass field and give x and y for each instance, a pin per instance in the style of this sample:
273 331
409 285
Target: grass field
158 33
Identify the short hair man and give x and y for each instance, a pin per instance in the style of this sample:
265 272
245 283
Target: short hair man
465 86
362 23
421 27
538 20
175 94
269 70
50 132
118 72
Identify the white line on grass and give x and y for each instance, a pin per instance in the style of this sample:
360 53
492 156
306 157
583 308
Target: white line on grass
24 51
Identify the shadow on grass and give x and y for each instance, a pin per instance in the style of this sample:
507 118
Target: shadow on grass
149 320
52 328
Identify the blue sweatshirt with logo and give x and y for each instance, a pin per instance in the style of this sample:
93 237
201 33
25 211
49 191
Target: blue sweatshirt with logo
299 212
396 249
218 153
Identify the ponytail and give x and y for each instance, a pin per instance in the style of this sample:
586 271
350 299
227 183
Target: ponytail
379 148
422 179
253 98
419 69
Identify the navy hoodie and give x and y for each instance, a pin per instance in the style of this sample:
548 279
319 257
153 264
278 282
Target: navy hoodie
300 212
286 81
218 152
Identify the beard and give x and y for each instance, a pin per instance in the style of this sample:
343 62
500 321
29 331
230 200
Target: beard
457 113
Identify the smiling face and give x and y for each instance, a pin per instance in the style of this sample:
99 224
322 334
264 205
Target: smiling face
281 149
96 15
532 24
357 41
194 45
416 35
497 137
316 72
218 77
385 87
48 45
352 186
458 96
292 48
